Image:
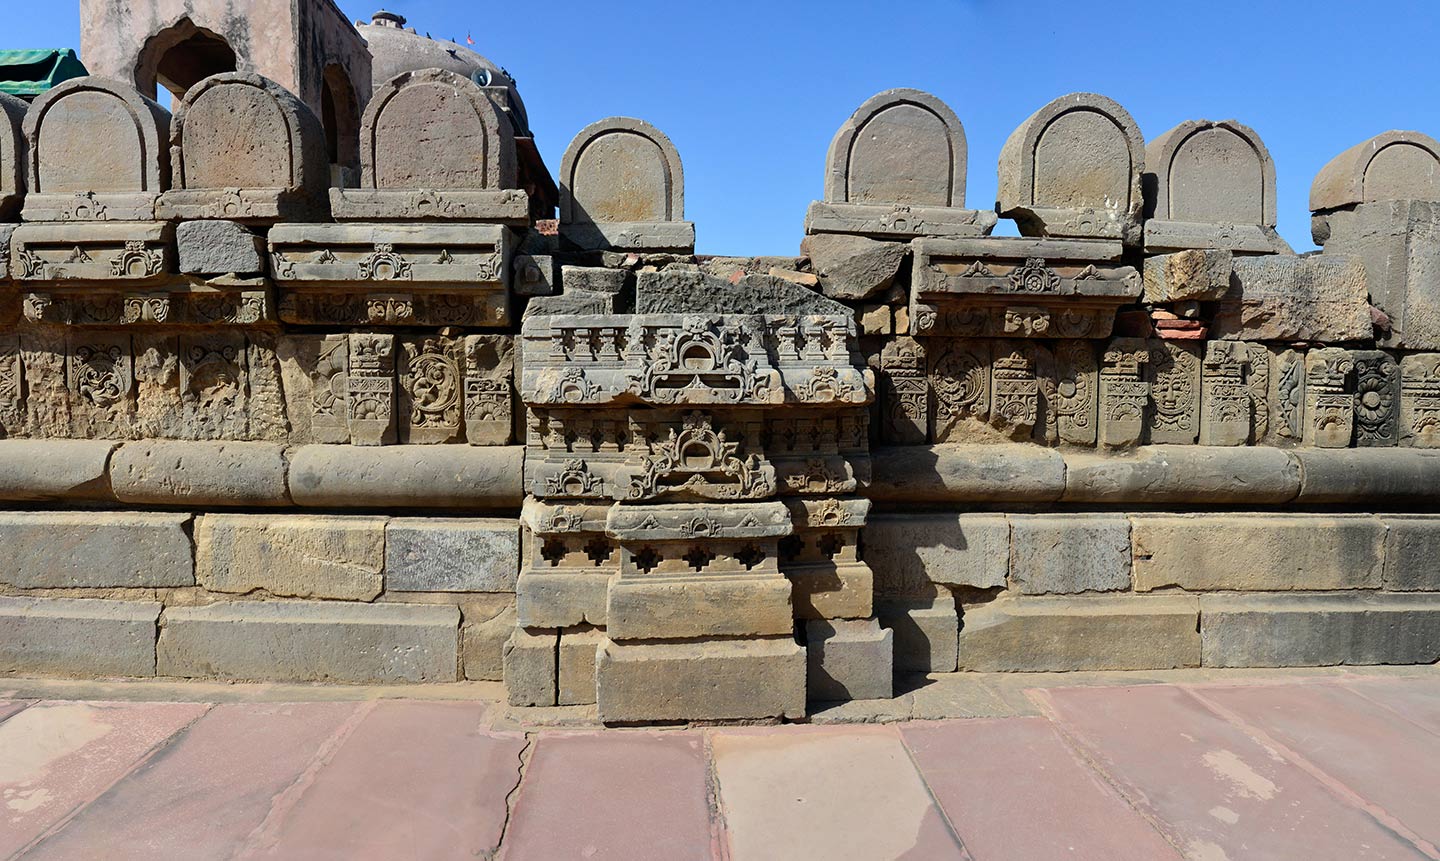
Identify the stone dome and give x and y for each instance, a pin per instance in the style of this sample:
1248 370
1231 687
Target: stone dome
395 48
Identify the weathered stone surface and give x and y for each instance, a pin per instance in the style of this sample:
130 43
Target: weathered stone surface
1420 400
638 609
1069 553
1377 399
406 476
63 550
703 680
1165 474
966 473
294 556
559 599
1329 418
482 646
1187 275
1174 374
837 590
678 289
48 470
1063 634
853 267
1295 299
912 553
925 631
1412 546
1368 476
1257 552
161 472
594 279
578 650
219 248
531 667
12 156
622 186
1395 165
849 660
1319 630
311 641
1399 244
67 636
451 555
1229 395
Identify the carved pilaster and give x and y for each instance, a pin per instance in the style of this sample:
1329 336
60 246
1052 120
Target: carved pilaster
1124 392
1227 407
430 390
1377 399
489 368
905 392
371 386
1420 400
1329 398
1073 398
959 383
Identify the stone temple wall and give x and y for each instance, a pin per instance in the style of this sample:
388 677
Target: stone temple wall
255 427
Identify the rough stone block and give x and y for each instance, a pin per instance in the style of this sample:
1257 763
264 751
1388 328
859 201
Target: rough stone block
45 470
967 473
219 248
532 667
1412 553
853 267
1368 476
1319 630
925 632
63 550
832 591
164 472
561 600
303 641
482 646
700 680
645 609
1399 244
679 289
594 279
1275 298
1069 553
1257 552
419 476
451 555
911 553
72 637
1165 474
291 555
849 660
1064 634
578 649
1191 275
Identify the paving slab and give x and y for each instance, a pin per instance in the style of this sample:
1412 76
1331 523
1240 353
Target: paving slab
1359 746
203 795
56 757
628 796
10 707
1214 790
414 780
1417 700
965 762
825 793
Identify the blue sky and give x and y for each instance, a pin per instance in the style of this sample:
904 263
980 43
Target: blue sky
751 92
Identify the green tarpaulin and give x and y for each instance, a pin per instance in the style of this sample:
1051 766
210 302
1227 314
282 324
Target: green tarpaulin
30 73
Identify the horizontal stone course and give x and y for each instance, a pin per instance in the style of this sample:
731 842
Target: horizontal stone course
292 555
1069 553
1412 553
44 470
451 555
320 641
698 680
1319 630
70 549
967 473
1063 634
170 472
1183 474
912 553
77 637
405 476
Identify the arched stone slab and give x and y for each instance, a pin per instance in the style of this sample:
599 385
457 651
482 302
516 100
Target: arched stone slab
1073 170
434 146
95 153
896 168
244 148
1395 165
622 186
1210 184
12 154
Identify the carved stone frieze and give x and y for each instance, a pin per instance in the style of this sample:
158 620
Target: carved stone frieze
1329 419
130 252
370 389
1124 392
1377 399
1420 400
1227 405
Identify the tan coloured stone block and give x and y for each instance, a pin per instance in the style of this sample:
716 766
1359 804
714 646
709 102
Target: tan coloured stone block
294 555
1187 275
925 630
43 470
532 666
911 553
578 650
647 609
843 590
701 680
1412 553
451 554
849 659
482 646
1257 552
1069 553
557 599
65 549
160 472
1063 634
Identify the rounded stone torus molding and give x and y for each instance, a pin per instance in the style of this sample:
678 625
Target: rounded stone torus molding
902 146
286 142
95 135
1395 165
435 130
1211 171
621 170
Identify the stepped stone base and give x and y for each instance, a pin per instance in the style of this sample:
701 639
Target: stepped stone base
925 631
76 637
1319 630
705 680
1060 634
849 659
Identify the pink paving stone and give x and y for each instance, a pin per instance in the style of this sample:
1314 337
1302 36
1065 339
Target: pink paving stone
203 795
57 756
619 795
415 780
10 707
1218 793
996 779
1368 749
1417 700
802 793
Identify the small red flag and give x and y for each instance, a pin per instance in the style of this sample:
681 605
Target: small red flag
468 40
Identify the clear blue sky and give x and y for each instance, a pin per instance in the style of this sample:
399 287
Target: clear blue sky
751 92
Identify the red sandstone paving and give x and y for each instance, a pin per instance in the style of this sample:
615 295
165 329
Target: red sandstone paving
826 793
201 796
10 707
1417 700
417 780
1217 792
56 757
621 795
1363 747
1016 791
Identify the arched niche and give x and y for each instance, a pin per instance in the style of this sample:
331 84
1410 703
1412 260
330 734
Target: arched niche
901 146
1073 169
181 56
340 115
1208 171
1395 165
621 170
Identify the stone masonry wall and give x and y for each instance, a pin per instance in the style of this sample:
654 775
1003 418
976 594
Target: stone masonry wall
256 427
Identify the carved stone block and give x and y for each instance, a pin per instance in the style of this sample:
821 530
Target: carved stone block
100 374
1227 402
622 187
47 398
1398 243
137 253
214 386
1377 399
822 560
1329 398
431 373
268 418
1287 396
1072 395
1420 400
488 395
370 386
12 404
1124 392
1280 298
1174 376
1016 371
904 393
959 384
